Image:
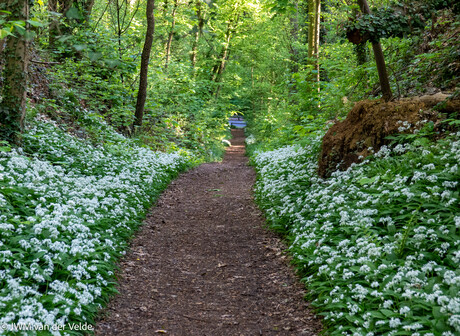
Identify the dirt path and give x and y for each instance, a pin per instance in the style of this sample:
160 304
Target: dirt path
203 264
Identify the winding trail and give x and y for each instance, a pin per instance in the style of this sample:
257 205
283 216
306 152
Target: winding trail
204 264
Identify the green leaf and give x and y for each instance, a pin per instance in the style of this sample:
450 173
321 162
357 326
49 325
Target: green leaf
387 312
73 13
437 312
367 180
4 33
80 47
35 23
5 149
377 314
94 56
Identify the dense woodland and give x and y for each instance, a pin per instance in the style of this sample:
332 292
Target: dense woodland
104 102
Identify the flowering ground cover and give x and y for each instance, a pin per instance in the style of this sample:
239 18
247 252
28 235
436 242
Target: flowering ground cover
67 209
378 244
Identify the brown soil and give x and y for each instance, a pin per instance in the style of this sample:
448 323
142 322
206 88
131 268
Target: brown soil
370 122
204 264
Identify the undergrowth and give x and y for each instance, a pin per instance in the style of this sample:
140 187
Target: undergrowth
378 244
67 210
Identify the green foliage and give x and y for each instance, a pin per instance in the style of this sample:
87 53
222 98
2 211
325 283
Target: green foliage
382 24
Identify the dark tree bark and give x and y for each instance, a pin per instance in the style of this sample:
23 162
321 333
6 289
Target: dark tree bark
13 106
379 59
171 33
2 44
145 57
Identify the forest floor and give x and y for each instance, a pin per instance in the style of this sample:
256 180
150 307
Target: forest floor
204 263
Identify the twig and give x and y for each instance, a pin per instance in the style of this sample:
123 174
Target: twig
40 62
193 318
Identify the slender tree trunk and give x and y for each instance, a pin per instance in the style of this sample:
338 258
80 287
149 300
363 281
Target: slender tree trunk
171 34
13 107
119 28
193 55
220 73
317 30
379 58
294 52
2 44
314 22
119 34
199 28
219 67
145 57
311 29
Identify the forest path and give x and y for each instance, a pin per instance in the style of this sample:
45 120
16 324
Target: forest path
203 263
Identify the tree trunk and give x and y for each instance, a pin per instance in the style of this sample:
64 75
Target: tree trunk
311 28
317 31
171 34
195 48
2 44
219 67
293 51
379 58
314 20
145 57
198 32
13 107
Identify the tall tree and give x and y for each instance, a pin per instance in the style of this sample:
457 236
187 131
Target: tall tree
314 19
219 67
379 58
145 57
294 36
198 31
171 33
13 107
